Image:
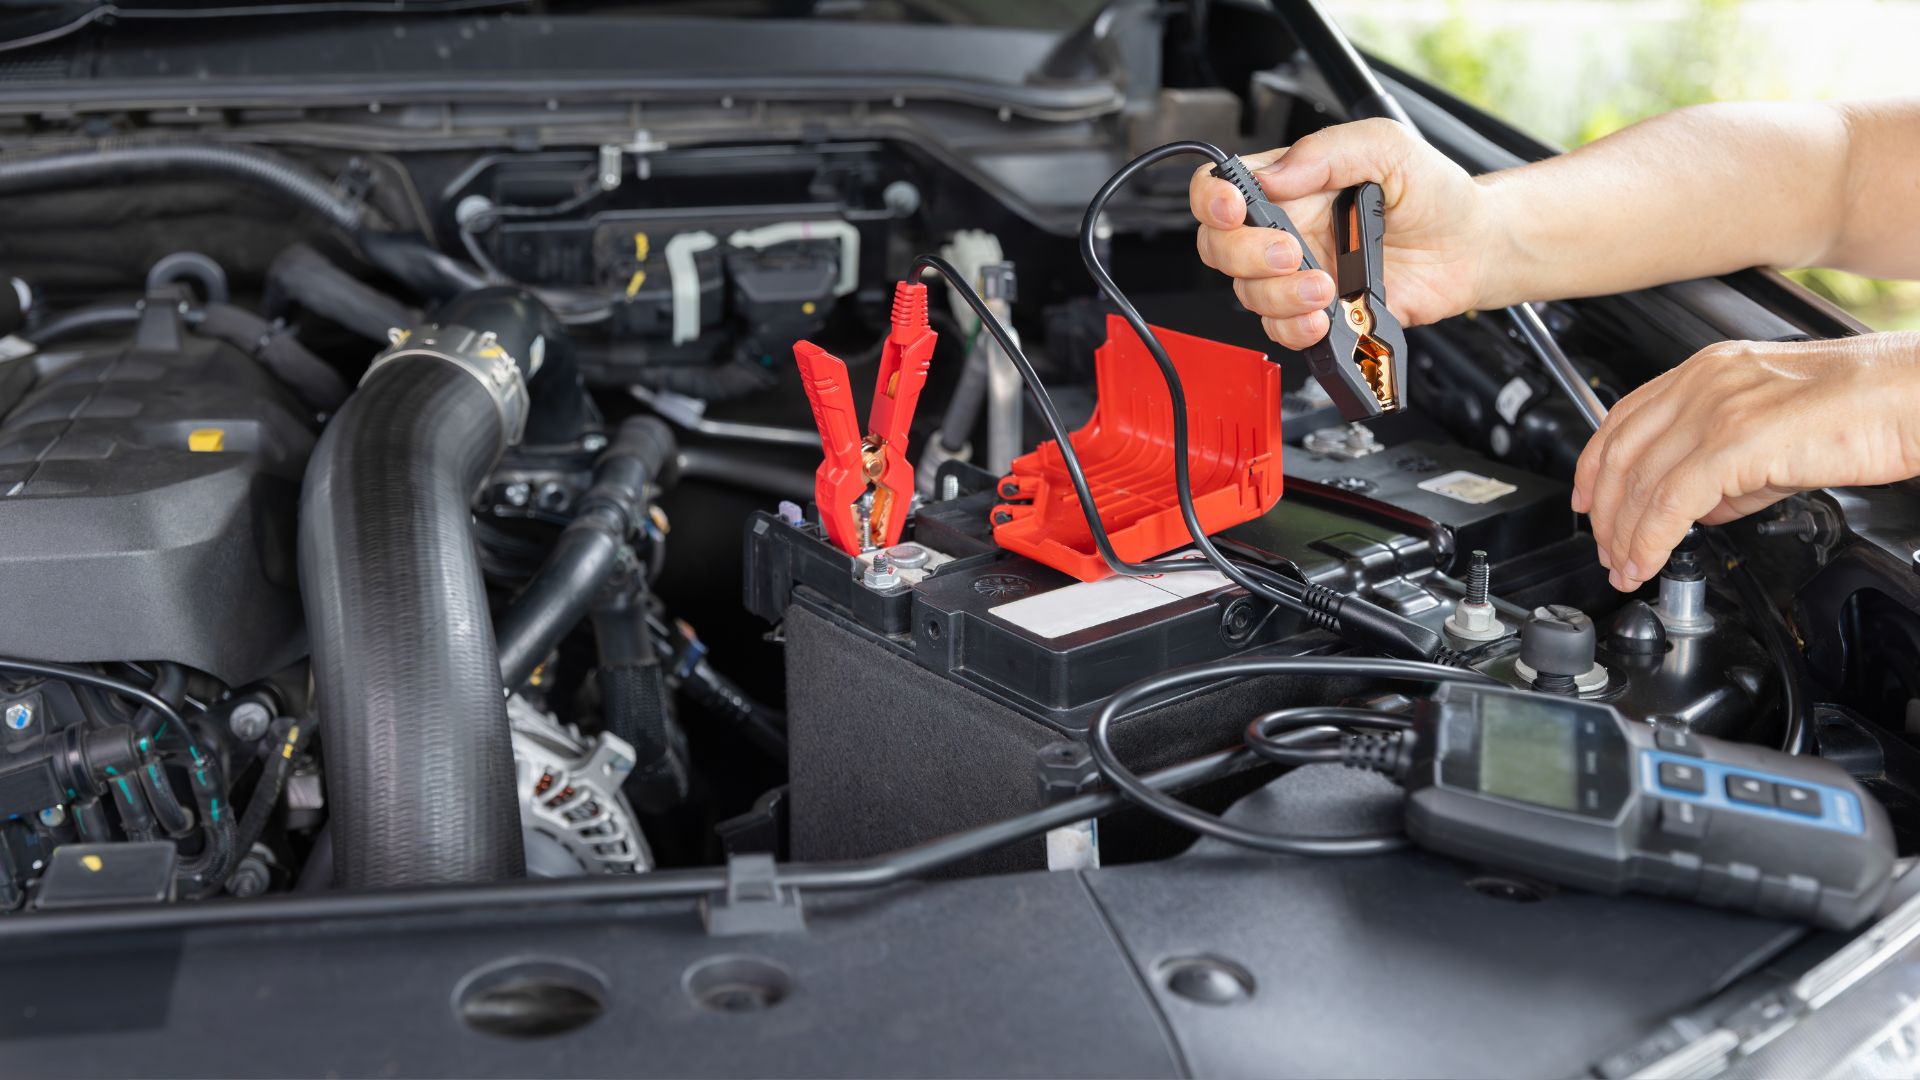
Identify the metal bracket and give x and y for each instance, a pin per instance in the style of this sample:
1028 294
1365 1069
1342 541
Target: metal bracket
754 901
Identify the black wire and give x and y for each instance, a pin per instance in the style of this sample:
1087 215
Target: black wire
1276 735
1259 585
104 682
1280 589
1127 783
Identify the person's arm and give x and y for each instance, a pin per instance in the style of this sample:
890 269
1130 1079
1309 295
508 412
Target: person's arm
1701 191
1713 189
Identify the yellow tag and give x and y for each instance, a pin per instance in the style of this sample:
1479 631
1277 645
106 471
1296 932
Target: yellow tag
92 862
640 246
638 279
206 440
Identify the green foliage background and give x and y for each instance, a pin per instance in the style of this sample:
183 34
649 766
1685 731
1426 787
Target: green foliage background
1571 71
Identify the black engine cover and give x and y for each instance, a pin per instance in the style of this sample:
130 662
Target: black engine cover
147 499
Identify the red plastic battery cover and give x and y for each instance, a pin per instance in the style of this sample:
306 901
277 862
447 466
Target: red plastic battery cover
1126 451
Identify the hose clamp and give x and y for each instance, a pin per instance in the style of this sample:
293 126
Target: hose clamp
478 353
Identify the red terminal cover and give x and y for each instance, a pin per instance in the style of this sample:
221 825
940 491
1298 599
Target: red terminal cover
1126 450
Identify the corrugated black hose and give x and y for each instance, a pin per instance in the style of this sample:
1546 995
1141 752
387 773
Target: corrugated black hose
419 755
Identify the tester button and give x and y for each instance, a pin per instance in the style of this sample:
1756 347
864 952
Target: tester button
1750 789
1679 817
1680 776
1676 741
1799 800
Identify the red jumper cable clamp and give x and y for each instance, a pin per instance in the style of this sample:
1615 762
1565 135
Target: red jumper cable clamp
865 485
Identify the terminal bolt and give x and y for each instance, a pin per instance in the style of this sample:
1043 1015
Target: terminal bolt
881 575
1474 617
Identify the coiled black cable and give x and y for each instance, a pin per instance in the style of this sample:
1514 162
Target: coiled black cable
1272 737
1278 735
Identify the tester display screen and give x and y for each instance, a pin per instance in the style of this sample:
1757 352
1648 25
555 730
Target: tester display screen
1527 753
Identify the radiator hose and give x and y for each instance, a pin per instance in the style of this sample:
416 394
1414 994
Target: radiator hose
420 773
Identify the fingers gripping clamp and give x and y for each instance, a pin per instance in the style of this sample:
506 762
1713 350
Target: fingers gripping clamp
1361 363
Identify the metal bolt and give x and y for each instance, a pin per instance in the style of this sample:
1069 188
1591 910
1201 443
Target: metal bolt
881 575
517 493
949 487
53 816
249 879
1474 617
593 444
249 720
20 716
1479 577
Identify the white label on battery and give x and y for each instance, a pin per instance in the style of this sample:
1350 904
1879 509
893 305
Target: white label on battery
1185 583
1468 487
1082 605
1511 398
1086 604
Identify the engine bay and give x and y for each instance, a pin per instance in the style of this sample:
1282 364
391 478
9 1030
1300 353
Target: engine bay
401 502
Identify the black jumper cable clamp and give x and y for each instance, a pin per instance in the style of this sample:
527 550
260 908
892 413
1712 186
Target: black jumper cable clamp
1362 362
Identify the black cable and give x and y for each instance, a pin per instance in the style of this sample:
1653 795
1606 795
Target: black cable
1277 735
1070 458
1100 741
273 780
85 677
876 872
1354 619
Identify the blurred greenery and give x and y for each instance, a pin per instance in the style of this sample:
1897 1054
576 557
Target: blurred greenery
1572 71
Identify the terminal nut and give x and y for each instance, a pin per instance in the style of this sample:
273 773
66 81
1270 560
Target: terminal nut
1475 622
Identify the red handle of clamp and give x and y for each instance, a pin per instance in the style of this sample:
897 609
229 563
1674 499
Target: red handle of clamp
841 478
880 460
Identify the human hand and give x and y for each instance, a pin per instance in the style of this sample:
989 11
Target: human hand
1443 232
1738 427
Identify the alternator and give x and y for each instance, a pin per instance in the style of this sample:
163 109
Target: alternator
574 817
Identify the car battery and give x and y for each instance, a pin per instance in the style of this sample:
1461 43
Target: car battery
936 650
921 706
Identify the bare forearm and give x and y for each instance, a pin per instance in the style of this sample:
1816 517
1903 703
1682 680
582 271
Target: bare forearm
1697 192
